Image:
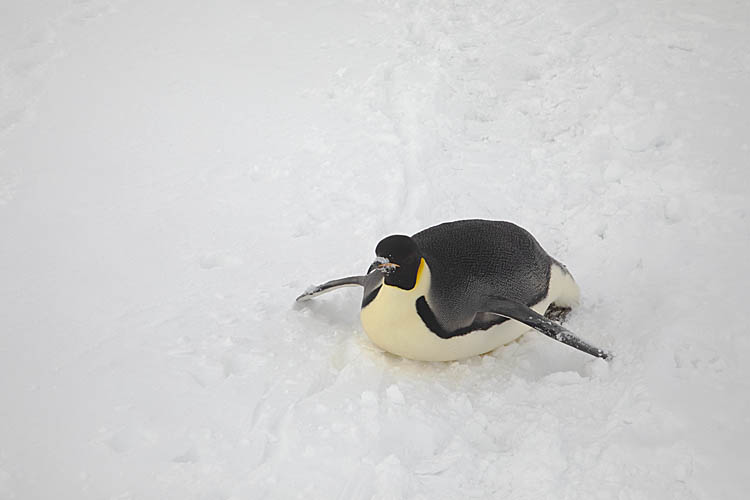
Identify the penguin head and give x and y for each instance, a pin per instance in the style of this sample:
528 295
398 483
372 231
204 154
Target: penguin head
399 258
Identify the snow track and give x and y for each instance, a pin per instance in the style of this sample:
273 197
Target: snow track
173 174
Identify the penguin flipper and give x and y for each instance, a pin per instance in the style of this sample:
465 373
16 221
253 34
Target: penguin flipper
329 286
519 312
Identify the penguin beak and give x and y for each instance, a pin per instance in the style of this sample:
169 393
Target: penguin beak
384 267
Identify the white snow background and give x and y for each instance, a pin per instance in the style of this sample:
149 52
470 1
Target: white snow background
174 173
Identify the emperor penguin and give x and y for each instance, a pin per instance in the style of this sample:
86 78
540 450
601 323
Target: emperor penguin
460 289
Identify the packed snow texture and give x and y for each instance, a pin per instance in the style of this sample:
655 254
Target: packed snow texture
173 174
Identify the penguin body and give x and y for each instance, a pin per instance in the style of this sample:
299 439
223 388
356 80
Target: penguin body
461 289
391 323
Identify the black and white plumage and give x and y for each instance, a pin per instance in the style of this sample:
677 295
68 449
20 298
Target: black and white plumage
460 289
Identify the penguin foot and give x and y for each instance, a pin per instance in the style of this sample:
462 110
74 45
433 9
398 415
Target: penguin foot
557 313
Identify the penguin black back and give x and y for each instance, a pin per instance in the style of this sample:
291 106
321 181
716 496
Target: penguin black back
473 259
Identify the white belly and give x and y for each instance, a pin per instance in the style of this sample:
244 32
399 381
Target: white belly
392 323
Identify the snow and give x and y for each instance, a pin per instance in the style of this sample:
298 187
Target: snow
173 174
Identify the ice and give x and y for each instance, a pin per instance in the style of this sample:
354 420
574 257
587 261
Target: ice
173 174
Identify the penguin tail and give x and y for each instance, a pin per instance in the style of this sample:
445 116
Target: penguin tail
563 287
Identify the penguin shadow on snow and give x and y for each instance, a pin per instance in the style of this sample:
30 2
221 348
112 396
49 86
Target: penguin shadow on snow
538 358
524 357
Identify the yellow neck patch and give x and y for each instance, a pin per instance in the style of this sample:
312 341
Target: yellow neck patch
419 272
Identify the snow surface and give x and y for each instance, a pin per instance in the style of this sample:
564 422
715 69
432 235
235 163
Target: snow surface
173 174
